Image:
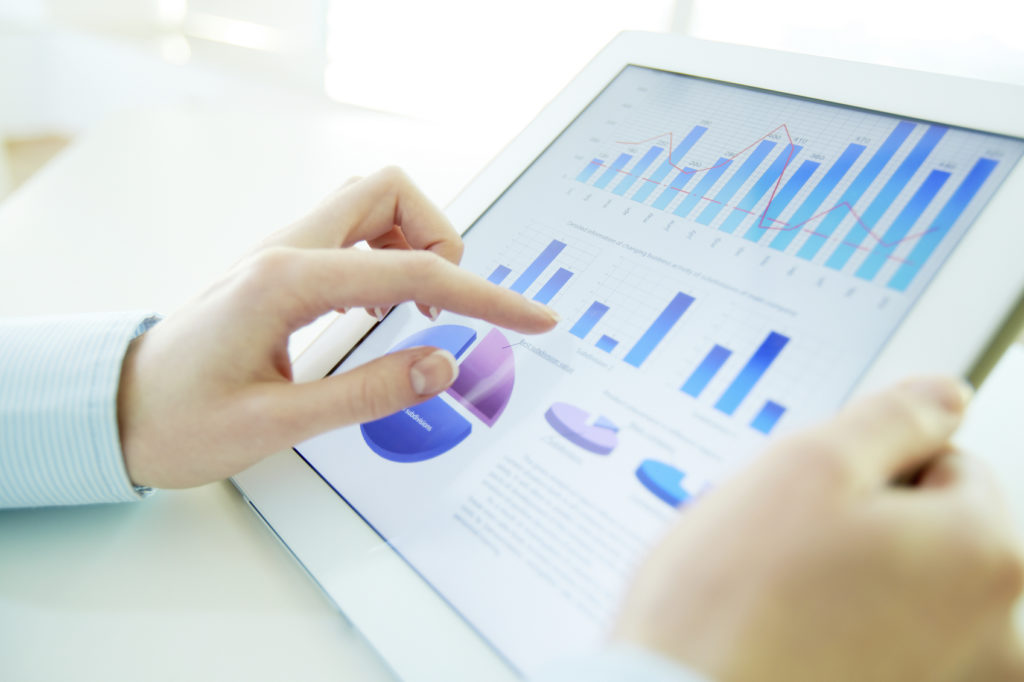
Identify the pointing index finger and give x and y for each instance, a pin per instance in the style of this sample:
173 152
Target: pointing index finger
349 278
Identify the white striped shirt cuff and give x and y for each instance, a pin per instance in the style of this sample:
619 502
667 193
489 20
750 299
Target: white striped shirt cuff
59 376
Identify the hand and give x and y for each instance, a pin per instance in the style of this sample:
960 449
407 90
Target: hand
865 549
208 391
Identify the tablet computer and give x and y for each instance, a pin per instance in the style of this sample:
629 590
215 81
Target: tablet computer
737 241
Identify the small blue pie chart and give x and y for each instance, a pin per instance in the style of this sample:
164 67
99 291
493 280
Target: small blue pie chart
664 481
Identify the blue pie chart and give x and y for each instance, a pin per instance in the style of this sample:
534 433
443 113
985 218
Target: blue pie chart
483 387
664 481
426 430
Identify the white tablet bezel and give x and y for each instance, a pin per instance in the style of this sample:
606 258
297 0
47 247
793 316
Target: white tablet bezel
411 626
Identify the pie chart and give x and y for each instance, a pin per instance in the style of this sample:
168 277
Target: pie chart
664 480
483 387
576 425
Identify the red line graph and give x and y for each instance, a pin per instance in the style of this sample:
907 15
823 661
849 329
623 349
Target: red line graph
764 222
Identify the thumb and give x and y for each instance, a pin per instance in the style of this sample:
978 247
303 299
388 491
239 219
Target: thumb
371 391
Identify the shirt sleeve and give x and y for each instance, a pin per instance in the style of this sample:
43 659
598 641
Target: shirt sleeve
59 440
618 663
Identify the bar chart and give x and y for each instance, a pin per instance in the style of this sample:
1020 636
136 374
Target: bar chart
636 351
877 210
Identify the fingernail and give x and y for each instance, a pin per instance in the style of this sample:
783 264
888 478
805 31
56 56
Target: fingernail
550 312
434 373
378 313
952 394
433 314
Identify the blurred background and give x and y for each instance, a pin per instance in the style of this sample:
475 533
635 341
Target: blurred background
482 68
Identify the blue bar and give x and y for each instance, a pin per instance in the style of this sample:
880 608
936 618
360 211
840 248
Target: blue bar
942 223
659 329
672 162
531 273
856 189
764 183
768 417
589 170
672 191
553 286
735 182
594 313
817 196
613 171
637 170
767 221
751 373
499 275
711 176
901 226
886 197
607 344
706 371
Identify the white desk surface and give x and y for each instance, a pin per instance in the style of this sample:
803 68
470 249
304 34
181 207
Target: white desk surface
141 213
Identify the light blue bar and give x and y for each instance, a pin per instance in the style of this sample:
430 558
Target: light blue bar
589 170
817 196
751 373
768 417
706 371
943 222
711 176
613 171
892 189
672 162
587 321
900 227
637 170
552 286
735 182
764 183
767 222
607 344
541 262
672 191
659 329
499 275
853 193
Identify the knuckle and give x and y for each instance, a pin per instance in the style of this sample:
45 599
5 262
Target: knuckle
1010 572
991 555
393 176
816 453
901 409
270 263
374 399
424 265
458 249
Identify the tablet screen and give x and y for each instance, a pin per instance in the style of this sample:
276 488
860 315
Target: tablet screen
727 263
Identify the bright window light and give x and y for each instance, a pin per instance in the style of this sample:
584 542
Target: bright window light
462 60
981 39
